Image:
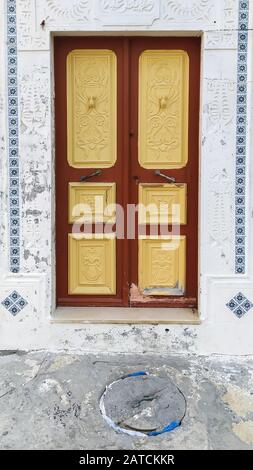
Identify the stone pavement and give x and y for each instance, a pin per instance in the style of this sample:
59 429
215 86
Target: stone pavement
51 401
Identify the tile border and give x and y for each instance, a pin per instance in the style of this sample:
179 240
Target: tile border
13 144
241 131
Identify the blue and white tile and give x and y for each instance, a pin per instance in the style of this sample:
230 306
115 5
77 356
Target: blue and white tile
239 305
241 141
13 149
14 303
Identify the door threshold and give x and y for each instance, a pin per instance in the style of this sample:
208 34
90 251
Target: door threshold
121 315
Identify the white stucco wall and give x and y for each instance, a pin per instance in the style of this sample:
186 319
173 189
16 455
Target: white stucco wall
220 331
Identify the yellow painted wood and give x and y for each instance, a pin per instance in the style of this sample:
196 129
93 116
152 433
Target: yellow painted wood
162 203
162 265
88 202
92 108
163 109
91 265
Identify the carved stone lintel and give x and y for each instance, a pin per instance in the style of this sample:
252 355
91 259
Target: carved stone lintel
37 18
130 12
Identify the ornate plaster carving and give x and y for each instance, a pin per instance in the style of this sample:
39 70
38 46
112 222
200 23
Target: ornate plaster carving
190 11
127 12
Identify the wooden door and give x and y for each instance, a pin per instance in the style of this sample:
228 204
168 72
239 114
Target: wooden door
164 120
90 137
125 109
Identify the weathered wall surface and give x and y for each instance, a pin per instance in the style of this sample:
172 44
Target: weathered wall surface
27 278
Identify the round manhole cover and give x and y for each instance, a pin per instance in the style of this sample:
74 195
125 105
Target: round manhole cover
143 404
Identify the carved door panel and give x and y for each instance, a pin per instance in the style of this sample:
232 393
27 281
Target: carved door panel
127 133
164 120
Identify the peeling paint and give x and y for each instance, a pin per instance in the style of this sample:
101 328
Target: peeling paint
136 296
158 290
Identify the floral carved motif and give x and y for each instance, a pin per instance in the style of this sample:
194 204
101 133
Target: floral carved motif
34 103
219 212
92 108
127 12
220 109
62 14
92 262
189 10
163 123
92 134
30 35
229 13
164 268
163 108
70 10
221 40
124 6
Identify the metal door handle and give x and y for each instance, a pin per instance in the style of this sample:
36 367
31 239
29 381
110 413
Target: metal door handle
91 175
168 178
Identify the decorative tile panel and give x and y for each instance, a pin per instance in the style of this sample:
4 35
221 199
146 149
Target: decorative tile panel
241 129
240 305
13 149
14 303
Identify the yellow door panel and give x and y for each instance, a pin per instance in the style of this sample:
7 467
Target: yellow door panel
91 108
162 265
162 203
163 109
92 265
88 201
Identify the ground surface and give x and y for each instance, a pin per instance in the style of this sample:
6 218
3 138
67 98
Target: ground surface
51 401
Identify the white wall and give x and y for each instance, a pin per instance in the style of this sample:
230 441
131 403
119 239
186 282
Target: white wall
221 331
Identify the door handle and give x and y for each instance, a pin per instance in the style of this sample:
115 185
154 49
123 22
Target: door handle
91 175
168 178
